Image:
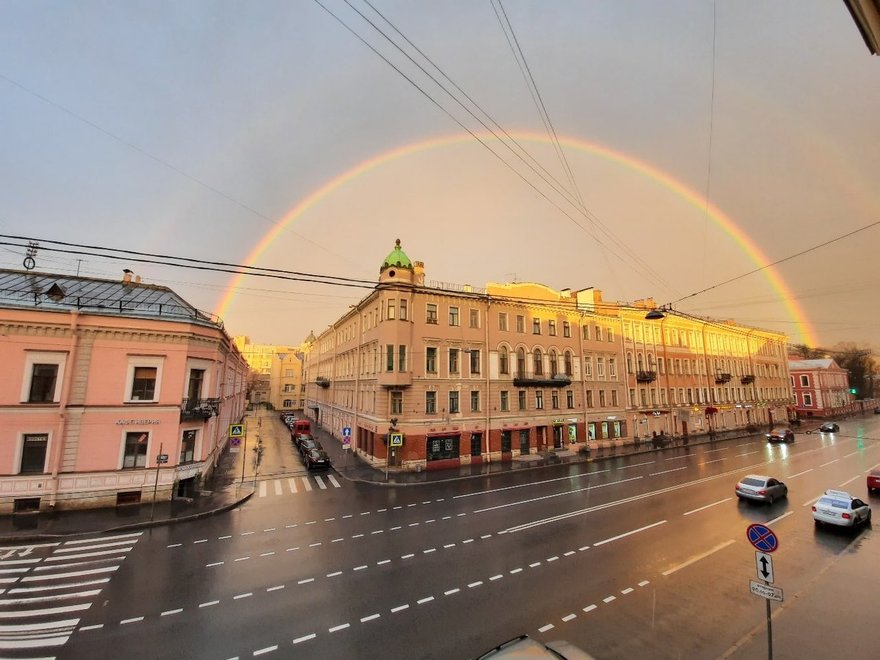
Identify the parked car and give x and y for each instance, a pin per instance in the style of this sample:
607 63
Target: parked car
874 480
877 411
307 444
526 647
316 458
829 427
298 438
781 434
761 488
837 507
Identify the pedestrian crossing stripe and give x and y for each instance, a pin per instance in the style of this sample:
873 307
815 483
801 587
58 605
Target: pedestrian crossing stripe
277 485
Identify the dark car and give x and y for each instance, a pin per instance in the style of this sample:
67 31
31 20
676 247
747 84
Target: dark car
829 427
307 445
297 438
316 458
781 434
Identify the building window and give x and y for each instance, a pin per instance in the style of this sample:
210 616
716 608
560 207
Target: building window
520 323
401 358
453 316
522 399
389 357
475 362
554 399
505 400
287 403
396 402
474 318
598 333
614 398
431 313
600 368
589 398
430 403
601 398
632 397
569 398
520 363
188 446
33 453
567 362
554 363
539 399
566 329
403 310
475 400
538 362
476 442
143 384
431 360
551 328
44 378
391 309
453 402
805 380
588 367
536 326
194 387
609 334
612 368
453 360
502 321
288 373
808 399
135 452
586 332
503 360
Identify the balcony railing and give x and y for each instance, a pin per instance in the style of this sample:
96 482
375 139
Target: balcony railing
747 379
199 409
559 380
722 378
646 376
321 381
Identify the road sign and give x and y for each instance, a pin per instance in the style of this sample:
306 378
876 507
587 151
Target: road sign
235 442
346 431
162 458
397 439
346 443
236 430
764 564
765 591
762 537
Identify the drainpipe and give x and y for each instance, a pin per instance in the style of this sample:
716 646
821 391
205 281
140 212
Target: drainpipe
488 385
58 446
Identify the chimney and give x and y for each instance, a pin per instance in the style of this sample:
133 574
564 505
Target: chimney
126 277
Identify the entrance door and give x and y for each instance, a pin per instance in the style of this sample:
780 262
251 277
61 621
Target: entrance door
557 437
524 441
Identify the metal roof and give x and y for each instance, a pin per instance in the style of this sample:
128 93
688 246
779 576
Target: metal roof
47 291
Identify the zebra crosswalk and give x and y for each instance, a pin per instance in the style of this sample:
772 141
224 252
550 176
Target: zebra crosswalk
46 587
296 485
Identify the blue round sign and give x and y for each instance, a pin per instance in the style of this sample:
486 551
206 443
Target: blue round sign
762 537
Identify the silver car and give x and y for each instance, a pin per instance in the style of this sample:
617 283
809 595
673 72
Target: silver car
761 488
781 434
837 507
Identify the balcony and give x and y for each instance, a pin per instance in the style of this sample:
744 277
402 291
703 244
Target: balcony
321 381
748 379
395 379
559 380
722 378
199 409
646 376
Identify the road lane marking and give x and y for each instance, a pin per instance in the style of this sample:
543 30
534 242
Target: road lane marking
710 451
306 581
703 508
240 596
95 627
306 483
553 558
590 608
549 626
535 564
429 550
370 618
280 586
242 559
24 590
174 545
59 576
170 612
696 558
717 460
468 541
635 531
337 540
534 483
654 474
829 462
96 546
394 529
749 453
569 617
608 599
582 548
210 603
268 649
792 476
99 553
360 568
278 489
247 533
424 600
357 536
486 536
338 628
812 501
515 571
333 481
644 583
852 453
552 495
315 544
262 489
473 585
384 561
48 599
495 577
409 556
677 458
399 608
267 554
626 591
570 553
132 620
449 545
777 519
335 574
451 591
46 611
291 484
304 638
321 483
105 538
223 538
849 481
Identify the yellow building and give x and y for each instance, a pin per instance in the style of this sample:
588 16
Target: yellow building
277 373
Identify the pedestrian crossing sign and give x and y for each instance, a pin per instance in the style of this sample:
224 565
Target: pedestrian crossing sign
397 439
236 430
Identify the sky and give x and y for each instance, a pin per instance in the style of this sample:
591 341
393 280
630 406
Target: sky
705 139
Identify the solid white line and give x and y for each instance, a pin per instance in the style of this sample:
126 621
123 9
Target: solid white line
23 590
399 608
262 489
333 481
451 591
291 484
58 576
90 554
792 476
784 515
132 620
697 558
48 599
569 617
266 650
97 546
589 608
609 599
424 600
654 474
304 638
562 494
829 462
47 611
338 628
703 508
549 626
849 481
321 483
67 623
278 489
635 531
104 538
369 618
170 612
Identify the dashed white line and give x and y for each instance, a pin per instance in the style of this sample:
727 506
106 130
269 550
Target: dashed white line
581 549
337 540
269 529
210 603
394 529
267 554
357 536
360 568
570 553
635 531
829 462
95 627
223 538
777 519
131 620
852 453
174 545
429 551
338 628
304 638
553 558
495 577
240 596
515 571
697 558
792 476
644 583
409 556
451 591
166 613
486 536
549 626
280 586
384 561
216 563
717 460
268 649
569 617
378 531
654 474
449 545
424 600
468 541
809 502
534 564
708 506
399 608
336 574
370 618
242 559
473 585
246 533
382 510
849 481
626 591
306 581
609 599
590 608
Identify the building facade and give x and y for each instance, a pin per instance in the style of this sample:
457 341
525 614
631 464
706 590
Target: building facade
450 375
820 388
276 373
113 391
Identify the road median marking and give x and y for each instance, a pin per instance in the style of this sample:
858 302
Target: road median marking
697 558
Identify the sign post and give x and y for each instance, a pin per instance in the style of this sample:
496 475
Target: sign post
160 459
237 432
765 542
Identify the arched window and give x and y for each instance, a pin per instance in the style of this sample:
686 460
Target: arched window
651 364
539 362
629 363
520 363
641 360
503 360
554 363
568 363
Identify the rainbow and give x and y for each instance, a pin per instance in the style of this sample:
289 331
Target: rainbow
803 328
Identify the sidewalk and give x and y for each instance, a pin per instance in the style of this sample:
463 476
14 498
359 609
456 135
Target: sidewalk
227 489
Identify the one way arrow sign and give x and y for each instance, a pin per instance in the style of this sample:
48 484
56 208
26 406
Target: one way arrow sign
764 564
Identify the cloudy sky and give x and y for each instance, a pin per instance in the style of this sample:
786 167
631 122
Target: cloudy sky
704 140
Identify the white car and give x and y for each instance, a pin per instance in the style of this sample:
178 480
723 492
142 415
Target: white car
837 507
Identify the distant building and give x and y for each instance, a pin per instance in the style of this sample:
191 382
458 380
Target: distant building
100 379
276 373
458 374
820 388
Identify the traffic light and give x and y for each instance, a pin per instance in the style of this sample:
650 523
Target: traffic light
853 390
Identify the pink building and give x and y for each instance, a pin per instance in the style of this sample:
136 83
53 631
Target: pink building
821 388
102 377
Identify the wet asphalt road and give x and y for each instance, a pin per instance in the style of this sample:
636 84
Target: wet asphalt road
638 557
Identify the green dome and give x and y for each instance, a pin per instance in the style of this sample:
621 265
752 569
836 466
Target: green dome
397 258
